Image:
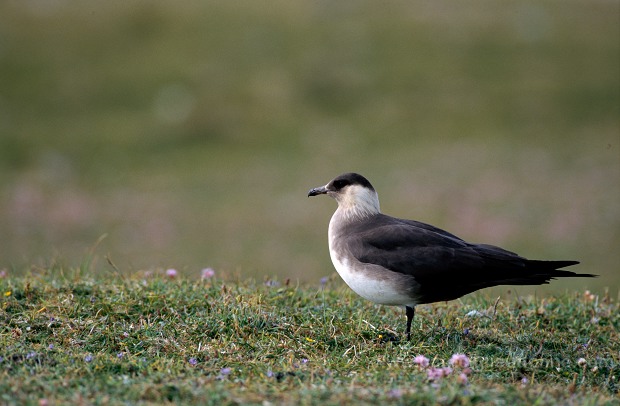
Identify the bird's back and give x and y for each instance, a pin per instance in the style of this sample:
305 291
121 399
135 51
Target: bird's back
443 266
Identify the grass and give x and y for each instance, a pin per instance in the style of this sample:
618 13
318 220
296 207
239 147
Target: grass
188 133
66 337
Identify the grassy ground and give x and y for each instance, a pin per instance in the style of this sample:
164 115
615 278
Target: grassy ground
150 338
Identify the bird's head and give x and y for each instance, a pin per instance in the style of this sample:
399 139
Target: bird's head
355 195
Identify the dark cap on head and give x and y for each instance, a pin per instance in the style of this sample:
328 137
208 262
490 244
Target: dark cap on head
350 178
340 182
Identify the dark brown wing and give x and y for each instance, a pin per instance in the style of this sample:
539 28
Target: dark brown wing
445 266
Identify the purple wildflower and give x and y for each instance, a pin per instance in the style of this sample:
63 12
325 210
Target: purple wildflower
324 280
459 361
224 372
88 358
421 361
193 361
207 273
462 378
171 273
120 355
435 374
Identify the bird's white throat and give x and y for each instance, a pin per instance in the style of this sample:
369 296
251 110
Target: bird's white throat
357 202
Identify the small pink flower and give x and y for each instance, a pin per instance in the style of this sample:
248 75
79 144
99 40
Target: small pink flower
3 273
435 374
459 361
421 361
207 273
462 379
171 273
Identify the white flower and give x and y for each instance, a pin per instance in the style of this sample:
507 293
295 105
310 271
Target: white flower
474 313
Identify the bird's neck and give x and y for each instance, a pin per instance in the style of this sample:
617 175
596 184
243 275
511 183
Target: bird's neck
357 206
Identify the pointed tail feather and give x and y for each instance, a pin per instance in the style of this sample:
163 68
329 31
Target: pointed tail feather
552 269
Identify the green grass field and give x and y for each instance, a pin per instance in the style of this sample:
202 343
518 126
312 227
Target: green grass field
153 135
66 338
188 133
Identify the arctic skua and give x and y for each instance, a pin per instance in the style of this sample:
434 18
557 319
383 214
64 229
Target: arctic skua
397 262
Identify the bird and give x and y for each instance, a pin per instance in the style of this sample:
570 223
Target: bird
397 262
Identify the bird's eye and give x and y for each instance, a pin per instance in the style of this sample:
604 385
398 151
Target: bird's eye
340 183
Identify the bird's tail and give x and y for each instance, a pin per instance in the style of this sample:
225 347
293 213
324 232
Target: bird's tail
539 273
553 269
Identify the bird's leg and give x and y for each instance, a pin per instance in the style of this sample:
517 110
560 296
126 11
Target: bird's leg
410 311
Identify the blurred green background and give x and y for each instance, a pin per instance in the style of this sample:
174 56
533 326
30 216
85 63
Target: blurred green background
189 132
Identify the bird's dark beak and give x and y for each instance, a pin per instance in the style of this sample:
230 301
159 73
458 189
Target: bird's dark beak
317 191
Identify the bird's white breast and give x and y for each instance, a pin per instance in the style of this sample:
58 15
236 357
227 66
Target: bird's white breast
372 282
360 278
